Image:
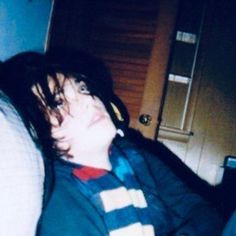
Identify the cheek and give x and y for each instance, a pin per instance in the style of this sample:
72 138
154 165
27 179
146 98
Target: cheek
71 94
68 131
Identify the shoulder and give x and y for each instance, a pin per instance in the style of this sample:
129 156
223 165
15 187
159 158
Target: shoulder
139 154
69 213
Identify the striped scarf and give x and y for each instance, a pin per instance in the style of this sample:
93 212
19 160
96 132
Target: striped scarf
117 196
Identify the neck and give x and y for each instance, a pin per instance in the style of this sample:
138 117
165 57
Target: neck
97 159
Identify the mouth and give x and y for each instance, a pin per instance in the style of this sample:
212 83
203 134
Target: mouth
97 118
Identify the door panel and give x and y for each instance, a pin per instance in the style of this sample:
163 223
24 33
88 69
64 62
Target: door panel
157 68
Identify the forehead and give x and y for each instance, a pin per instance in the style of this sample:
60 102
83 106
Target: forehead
59 81
54 84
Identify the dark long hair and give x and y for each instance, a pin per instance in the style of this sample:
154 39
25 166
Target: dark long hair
25 70
18 75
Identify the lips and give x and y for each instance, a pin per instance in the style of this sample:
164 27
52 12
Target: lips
97 118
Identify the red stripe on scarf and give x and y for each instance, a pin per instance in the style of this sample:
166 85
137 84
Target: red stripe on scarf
86 173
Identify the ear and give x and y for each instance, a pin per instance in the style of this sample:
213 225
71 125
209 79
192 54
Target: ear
120 109
121 121
117 112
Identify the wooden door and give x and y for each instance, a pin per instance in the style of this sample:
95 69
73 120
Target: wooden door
156 78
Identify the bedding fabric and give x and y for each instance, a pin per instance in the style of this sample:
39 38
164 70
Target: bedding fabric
21 174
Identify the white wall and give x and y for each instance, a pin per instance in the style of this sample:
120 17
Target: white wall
23 26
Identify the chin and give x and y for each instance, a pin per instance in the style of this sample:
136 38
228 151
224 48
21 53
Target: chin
105 136
104 129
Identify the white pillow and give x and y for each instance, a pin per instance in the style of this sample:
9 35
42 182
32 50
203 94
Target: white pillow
21 175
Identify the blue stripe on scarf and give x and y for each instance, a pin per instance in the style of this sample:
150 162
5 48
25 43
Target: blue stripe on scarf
123 217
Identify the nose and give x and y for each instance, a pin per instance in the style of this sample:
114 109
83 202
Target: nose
87 101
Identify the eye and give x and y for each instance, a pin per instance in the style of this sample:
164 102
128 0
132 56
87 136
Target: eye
83 88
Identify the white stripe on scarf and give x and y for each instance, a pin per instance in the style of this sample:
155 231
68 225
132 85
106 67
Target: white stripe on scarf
121 197
134 230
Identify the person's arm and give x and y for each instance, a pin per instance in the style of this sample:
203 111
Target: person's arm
230 228
199 218
191 214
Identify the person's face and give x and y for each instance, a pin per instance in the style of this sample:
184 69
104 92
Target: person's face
85 123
